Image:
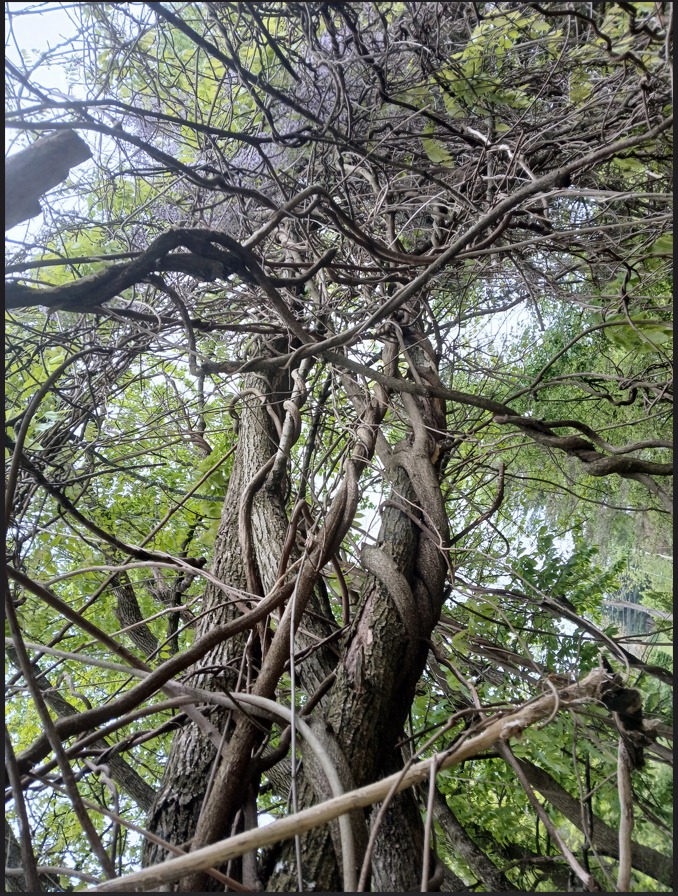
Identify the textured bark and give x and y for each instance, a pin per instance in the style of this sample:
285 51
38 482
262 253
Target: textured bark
385 651
234 772
398 855
367 709
129 614
175 812
381 657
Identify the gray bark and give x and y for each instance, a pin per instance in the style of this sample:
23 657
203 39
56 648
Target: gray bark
129 614
177 808
384 655
175 812
30 173
365 716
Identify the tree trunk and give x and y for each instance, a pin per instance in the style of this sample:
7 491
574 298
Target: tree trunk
381 657
175 813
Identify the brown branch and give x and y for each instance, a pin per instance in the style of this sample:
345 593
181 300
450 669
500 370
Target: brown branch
30 866
498 728
52 737
603 837
587 879
153 682
232 778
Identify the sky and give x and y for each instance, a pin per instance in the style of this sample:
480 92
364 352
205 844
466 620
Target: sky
33 31
36 33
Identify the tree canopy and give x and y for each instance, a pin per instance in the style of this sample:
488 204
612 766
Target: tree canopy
338 451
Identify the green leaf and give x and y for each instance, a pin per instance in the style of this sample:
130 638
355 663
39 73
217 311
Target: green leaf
436 152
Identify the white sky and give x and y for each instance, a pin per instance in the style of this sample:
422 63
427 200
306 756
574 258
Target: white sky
37 31
46 27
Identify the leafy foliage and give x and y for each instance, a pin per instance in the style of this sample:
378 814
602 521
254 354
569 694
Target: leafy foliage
364 308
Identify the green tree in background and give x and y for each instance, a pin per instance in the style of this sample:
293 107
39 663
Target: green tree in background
338 406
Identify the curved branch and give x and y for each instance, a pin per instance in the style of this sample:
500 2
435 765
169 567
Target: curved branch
503 728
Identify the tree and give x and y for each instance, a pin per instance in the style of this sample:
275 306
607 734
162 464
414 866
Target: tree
322 379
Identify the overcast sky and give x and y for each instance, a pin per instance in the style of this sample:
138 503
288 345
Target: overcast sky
32 29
